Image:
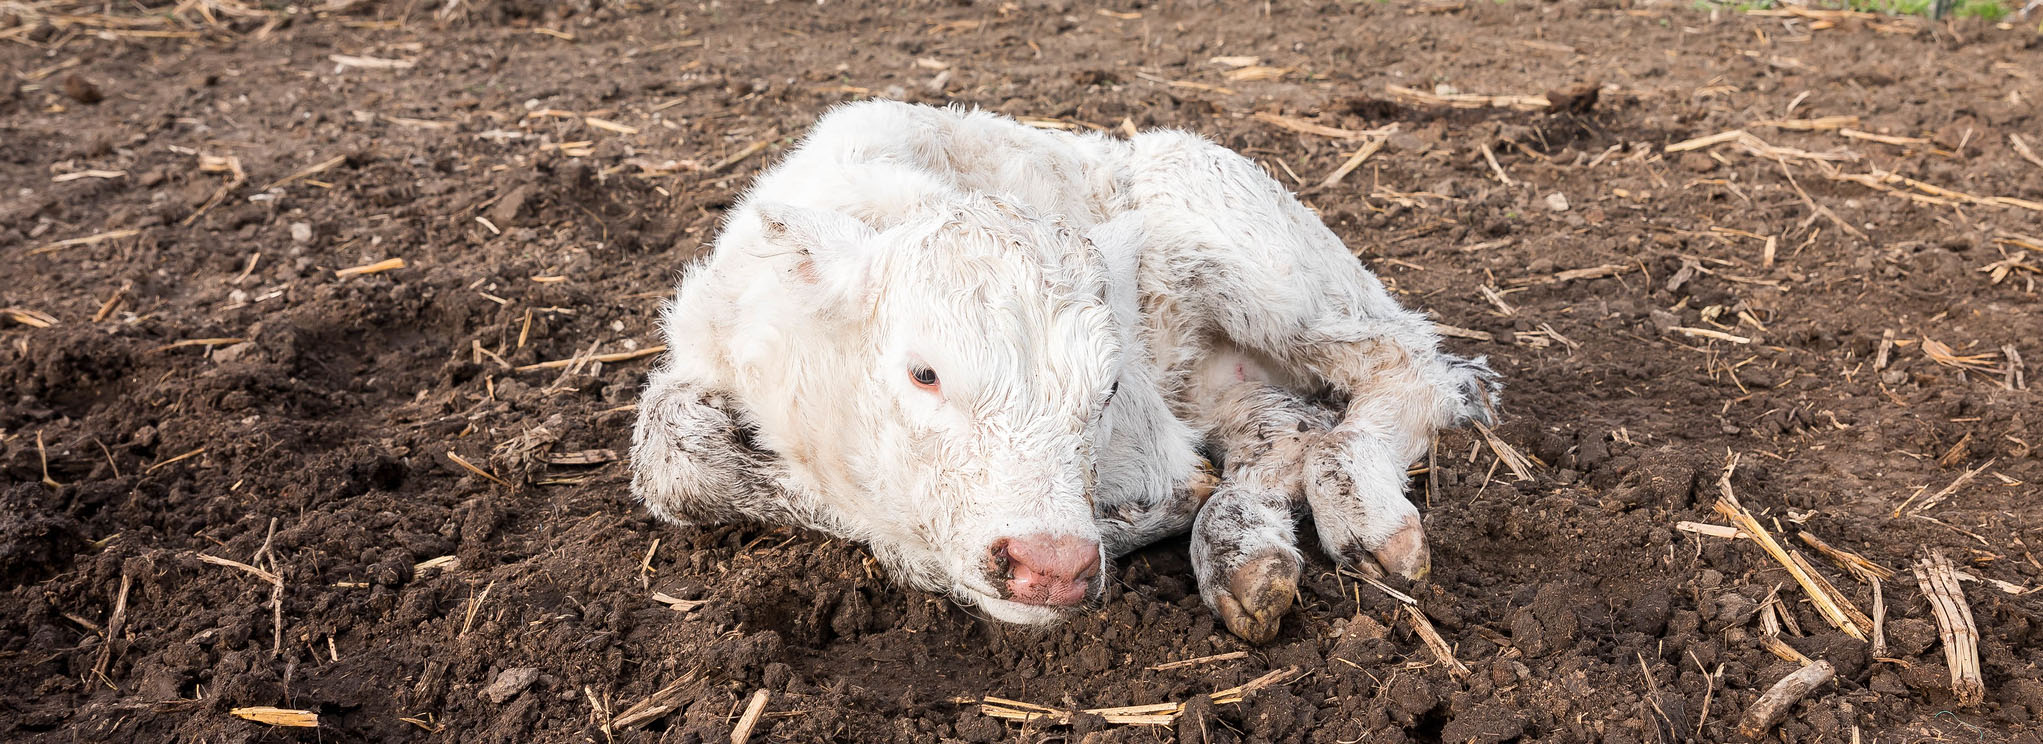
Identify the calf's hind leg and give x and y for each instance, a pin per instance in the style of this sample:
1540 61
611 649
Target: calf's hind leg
1244 543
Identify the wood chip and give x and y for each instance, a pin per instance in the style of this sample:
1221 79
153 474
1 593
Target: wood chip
1939 583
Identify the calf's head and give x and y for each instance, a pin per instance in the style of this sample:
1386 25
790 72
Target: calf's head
947 394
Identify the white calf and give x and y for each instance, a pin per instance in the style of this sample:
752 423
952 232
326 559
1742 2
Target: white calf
993 353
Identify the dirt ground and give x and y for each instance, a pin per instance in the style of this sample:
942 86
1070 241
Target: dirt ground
189 382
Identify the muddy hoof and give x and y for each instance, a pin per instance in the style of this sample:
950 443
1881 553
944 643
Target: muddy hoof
1405 553
1258 595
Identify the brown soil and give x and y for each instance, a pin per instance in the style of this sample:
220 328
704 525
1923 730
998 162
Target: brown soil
1579 609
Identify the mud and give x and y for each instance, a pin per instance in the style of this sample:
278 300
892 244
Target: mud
545 192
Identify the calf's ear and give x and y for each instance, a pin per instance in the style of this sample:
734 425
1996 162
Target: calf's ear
828 246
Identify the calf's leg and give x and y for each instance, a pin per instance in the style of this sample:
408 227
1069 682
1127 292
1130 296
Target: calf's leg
1244 262
1244 544
693 462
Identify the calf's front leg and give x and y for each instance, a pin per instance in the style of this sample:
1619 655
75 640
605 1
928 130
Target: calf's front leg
693 462
1244 544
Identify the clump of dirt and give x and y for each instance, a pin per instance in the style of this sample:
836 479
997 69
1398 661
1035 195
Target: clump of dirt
213 388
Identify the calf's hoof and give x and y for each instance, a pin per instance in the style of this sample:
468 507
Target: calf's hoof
1258 594
1404 553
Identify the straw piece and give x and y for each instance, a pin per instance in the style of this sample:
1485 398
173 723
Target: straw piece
471 467
388 264
277 716
1302 126
1424 628
1826 604
371 63
1368 148
1857 564
27 317
1821 123
1229 656
1154 714
621 356
87 240
1939 584
743 732
1468 100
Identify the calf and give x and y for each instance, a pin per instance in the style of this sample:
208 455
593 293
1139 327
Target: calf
1001 356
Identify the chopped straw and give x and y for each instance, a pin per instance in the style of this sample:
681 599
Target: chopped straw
1520 465
198 342
471 467
27 317
658 704
1229 656
2023 148
1302 126
1424 628
1368 148
1467 100
313 170
1865 570
1821 123
621 356
753 710
277 716
87 240
1827 605
1939 584
388 264
1157 714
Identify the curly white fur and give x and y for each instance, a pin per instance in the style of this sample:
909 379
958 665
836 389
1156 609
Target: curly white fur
1037 274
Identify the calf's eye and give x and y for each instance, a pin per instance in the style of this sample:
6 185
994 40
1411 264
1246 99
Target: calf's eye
923 377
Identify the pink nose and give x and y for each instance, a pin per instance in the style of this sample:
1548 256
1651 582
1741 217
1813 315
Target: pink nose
1051 570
